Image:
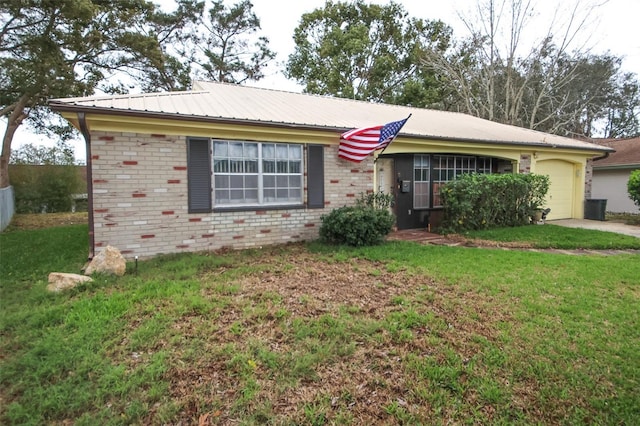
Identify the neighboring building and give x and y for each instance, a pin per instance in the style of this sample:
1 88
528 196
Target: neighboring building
611 174
234 166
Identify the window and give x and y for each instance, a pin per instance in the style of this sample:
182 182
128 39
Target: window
251 173
282 171
235 173
421 181
484 165
242 174
449 167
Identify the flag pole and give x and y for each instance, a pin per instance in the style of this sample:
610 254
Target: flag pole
398 132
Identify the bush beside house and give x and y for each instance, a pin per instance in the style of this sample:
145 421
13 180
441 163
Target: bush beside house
365 224
633 187
481 201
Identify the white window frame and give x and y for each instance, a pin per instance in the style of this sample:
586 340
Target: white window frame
424 164
260 174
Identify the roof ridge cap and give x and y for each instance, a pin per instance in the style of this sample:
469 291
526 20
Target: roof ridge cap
337 98
130 95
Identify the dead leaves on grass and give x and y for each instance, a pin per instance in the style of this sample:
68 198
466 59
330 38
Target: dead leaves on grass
47 220
252 360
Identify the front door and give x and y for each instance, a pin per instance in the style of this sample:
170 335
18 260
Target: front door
406 216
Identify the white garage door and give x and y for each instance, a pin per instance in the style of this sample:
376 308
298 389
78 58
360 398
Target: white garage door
561 187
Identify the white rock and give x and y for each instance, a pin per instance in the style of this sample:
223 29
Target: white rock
108 261
59 281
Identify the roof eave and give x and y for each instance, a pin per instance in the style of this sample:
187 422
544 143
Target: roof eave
67 107
616 166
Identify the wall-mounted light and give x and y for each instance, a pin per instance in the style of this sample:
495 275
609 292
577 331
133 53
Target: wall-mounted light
535 154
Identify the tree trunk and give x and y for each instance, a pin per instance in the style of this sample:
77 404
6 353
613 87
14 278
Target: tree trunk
13 122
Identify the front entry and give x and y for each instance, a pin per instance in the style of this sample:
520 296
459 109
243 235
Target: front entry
418 178
406 216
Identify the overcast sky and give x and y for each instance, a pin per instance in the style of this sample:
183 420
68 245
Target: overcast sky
614 28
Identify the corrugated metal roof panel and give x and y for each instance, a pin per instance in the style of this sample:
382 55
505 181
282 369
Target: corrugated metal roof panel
234 102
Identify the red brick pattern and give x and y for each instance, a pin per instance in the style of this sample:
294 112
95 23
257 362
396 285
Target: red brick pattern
141 185
525 164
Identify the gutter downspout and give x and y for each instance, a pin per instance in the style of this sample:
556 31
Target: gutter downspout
87 138
602 157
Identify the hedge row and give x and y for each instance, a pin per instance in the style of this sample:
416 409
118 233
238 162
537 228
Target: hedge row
480 201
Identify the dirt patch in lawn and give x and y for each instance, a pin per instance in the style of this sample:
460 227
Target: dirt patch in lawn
47 220
349 309
477 242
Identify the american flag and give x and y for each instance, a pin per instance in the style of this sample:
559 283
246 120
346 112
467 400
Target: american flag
356 144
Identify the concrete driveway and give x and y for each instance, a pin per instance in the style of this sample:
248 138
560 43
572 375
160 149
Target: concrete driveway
619 228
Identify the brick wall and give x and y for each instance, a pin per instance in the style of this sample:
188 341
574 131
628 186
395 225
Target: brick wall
588 178
140 200
525 164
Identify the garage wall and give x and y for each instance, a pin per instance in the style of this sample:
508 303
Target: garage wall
611 185
562 196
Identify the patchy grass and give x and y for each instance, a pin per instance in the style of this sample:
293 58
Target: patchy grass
46 220
308 334
554 236
628 218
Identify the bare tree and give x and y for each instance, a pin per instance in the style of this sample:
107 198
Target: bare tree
503 72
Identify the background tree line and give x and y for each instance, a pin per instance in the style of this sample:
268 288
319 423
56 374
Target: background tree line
349 49
46 179
548 83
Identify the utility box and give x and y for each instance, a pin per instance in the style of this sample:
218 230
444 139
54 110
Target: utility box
595 209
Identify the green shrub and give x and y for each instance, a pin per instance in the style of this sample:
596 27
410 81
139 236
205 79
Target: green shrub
365 224
44 178
481 201
47 188
633 187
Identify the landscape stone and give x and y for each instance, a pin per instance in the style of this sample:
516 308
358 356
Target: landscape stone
59 281
108 261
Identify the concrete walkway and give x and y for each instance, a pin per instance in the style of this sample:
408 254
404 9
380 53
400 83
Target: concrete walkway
619 228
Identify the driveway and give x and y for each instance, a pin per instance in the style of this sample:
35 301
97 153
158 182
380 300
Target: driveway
616 227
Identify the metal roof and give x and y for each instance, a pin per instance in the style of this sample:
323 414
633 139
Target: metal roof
230 102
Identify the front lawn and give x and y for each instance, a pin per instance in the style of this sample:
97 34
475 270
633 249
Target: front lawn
560 237
309 334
